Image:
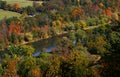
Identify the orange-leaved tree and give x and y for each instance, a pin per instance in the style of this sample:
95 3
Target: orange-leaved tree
10 70
16 6
36 72
77 11
108 12
14 27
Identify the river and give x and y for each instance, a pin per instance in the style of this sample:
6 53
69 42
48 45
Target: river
46 44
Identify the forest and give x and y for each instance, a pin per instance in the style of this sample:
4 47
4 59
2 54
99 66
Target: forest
59 38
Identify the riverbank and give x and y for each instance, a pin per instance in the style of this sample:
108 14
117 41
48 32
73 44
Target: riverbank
38 39
58 34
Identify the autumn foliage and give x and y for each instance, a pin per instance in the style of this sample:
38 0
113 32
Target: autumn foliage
16 6
108 12
35 72
77 11
11 69
14 27
96 7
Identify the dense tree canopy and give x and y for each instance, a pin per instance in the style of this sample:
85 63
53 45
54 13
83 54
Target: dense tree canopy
89 45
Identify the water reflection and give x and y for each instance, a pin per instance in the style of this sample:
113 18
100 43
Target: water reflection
74 42
36 53
46 50
47 44
50 48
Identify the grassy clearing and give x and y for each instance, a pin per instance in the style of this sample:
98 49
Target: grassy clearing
22 3
8 14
